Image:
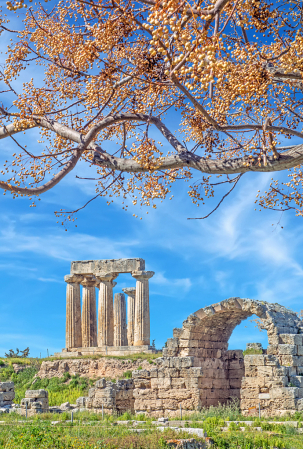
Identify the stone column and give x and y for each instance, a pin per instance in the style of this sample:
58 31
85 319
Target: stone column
131 300
142 318
73 312
89 315
120 337
105 308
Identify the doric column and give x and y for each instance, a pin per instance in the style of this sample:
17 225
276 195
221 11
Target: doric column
105 309
142 318
89 315
131 300
73 312
120 337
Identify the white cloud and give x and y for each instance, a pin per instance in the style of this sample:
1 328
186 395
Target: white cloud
50 280
172 285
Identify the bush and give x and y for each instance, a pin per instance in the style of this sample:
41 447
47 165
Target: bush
127 374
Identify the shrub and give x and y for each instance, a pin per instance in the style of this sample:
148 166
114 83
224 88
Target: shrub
127 374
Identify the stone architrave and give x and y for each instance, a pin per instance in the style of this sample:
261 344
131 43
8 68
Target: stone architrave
142 318
89 314
120 332
131 300
73 312
105 309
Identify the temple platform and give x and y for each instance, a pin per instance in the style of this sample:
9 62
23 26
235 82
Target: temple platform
106 350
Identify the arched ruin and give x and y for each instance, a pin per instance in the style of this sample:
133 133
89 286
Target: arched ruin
198 370
272 379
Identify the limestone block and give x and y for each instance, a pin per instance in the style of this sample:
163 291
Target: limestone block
177 383
276 382
287 349
6 386
297 381
192 383
254 359
7 396
252 382
272 349
247 403
300 350
106 402
192 372
300 405
178 394
250 392
205 382
163 362
234 392
36 394
141 373
81 401
213 364
171 372
274 339
181 362
291 360
221 383
280 371
250 371
291 339
101 383
142 383
105 393
145 404
153 372
235 383
163 383
284 392
265 371
145 393
236 364
293 371
217 394
235 373
271 360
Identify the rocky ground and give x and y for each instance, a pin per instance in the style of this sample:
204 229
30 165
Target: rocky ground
103 367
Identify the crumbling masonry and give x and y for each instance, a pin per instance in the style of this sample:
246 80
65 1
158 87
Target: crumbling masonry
198 370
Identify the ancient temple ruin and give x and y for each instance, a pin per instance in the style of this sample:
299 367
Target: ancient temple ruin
107 329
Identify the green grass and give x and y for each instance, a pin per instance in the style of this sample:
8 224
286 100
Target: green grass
90 431
252 351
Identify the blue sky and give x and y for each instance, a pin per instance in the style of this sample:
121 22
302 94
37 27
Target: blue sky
235 252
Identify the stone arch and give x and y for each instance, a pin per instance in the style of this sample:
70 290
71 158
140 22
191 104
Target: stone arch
204 337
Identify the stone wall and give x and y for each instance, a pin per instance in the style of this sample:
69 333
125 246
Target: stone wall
275 379
103 367
35 401
115 397
198 370
7 394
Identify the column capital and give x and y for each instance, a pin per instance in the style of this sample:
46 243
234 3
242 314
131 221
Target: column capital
130 291
106 277
88 281
73 278
141 275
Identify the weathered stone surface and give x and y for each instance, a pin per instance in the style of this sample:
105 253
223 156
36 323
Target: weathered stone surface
35 401
131 301
89 313
142 316
73 312
107 266
120 330
105 309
